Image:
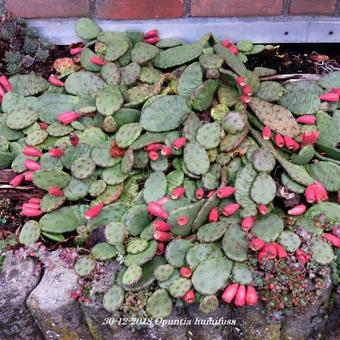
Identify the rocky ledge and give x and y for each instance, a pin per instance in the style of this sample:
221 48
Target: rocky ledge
37 304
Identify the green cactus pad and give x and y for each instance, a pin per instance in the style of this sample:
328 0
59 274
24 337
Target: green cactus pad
129 74
177 56
132 275
291 185
330 80
111 194
211 61
231 141
270 91
116 49
164 114
329 131
190 79
301 97
209 135
143 52
155 187
46 178
268 227
234 122
190 126
102 157
142 257
103 251
174 179
36 137
329 210
211 232
169 42
211 275
113 175
176 251
242 273
263 189
276 117
136 219
28 84
85 60
179 287
110 73
243 183
85 265
50 203
196 158
109 100
327 173
321 251
83 168
115 232
203 213
59 130
200 252
113 298
263 161
87 29
208 304
202 97
97 188
127 134
190 211
29 233
83 83
19 120
75 189
289 240
164 272
148 138
234 242
167 283
159 304
137 245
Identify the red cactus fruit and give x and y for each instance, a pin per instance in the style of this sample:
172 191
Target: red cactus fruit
230 209
185 272
279 141
335 241
251 296
166 151
182 220
306 119
161 225
189 296
31 151
330 97
177 193
151 33
55 81
116 151
298 210
213 215
56 152
76 50
74 139
240 297
179 143
152 40
155 209
154 147
97 61
247 223
30 164
94 211
280 251
55 191
262 209
5 83
256 244
162 236
68 117
153 155
266 133
160 249
17 180
224 192
316 193
199 193
310 137
229 293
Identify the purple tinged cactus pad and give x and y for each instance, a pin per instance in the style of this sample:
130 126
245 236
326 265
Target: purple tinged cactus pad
329 210
208 304
85 265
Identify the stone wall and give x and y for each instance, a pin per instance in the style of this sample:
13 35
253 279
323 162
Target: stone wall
151 9
37 304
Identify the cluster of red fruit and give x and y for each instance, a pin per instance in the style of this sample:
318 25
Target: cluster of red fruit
5 86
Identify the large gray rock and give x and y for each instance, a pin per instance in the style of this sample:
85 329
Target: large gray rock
58 316
311 323
17 280
333 328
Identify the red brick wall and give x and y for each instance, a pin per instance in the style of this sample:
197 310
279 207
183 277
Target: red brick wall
150 9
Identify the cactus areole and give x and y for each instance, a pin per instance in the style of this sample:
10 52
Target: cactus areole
208 183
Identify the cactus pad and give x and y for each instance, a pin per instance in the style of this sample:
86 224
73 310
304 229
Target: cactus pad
289 240
142 257
327 173
19 120
155 187
83 83
103 251
136 246
127 134
164 272
36 137
132 275
276 117
234 122
159 304
129 74
113 298
176 251
208 304
190 79
97 188
29 233
50 203
46 178
110 73
200 252
321 251
211 275
136 219
263 189
209 135
270 91
211 232
242 273
85 265
83 168
115 232
87 29
179 287
268 227
164 114
196 158
142 53
263 161
109 100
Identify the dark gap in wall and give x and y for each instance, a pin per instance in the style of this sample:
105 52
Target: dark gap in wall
286 7
337 10
187 8
93 11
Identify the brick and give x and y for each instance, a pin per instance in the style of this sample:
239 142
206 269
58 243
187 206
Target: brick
321 7
231 8
139 9
49 8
